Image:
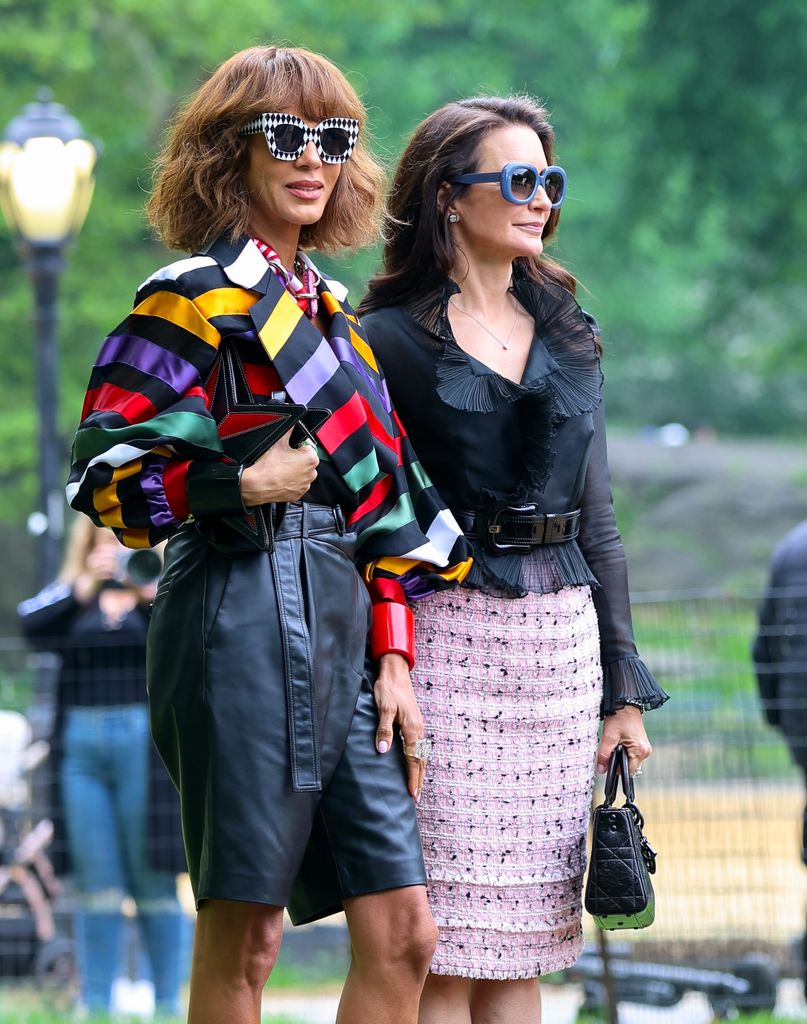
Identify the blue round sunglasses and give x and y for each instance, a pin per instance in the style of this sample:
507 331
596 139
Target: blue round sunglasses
520 182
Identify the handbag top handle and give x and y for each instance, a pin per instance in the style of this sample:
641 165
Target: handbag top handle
619 760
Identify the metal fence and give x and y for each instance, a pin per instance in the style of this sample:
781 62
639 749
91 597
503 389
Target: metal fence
721 798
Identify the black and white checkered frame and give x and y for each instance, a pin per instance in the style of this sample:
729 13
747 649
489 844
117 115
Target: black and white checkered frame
265 124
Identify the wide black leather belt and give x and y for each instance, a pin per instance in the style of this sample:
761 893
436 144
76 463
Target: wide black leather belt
518 528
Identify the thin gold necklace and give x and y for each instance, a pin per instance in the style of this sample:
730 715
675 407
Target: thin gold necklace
506 343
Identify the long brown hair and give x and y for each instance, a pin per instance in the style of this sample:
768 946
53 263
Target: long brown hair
419 250
200 177
84 535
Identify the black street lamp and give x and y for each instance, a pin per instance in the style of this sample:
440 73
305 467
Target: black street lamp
46 184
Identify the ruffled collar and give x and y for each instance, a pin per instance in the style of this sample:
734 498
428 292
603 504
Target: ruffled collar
562 377
563 357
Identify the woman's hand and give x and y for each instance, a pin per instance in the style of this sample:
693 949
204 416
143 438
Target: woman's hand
282 473
395 700
626 727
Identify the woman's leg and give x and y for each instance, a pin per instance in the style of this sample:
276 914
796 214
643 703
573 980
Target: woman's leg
235 948
445 1000
506 1002
392 938
165 928
162 922
95 855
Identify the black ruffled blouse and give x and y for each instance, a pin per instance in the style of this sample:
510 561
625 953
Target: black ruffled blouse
483 438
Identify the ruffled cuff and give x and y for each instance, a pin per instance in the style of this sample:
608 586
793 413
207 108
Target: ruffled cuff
628 681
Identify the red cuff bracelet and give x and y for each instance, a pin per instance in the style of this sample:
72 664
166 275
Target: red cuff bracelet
384 589
393 631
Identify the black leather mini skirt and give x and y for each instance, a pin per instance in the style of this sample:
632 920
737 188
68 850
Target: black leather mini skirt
262 709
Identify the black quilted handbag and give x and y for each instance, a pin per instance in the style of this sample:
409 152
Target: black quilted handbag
619 892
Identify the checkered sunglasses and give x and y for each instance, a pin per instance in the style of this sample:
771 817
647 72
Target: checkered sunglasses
287 136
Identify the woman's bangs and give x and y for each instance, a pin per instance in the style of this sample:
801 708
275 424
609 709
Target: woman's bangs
313 88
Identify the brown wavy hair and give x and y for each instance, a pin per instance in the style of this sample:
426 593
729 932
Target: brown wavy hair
200 187
419 250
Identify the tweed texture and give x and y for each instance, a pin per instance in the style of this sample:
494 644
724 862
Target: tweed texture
510 692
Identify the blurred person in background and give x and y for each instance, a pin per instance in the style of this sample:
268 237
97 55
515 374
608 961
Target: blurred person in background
275 725
120 811
495 371
780 657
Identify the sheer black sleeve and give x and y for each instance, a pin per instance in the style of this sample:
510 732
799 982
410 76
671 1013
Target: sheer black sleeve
626 679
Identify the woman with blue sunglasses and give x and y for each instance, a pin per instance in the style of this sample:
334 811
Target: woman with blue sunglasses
494 369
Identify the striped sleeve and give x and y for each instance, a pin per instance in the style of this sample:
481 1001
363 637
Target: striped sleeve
146 433
405 532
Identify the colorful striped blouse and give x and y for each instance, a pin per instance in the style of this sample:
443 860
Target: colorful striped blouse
148 455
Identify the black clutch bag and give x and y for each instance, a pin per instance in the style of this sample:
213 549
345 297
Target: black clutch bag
249 427
619 892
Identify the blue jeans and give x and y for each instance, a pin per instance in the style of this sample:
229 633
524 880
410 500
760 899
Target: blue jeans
104 778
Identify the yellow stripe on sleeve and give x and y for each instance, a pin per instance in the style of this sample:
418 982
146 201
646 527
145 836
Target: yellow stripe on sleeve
113 516
180 311
400 566
136 537
105 499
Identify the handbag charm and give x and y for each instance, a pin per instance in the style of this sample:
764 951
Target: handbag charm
619 892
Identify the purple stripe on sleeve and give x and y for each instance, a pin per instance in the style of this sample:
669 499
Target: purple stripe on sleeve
149 358
153 488
415 586
313 375
347 354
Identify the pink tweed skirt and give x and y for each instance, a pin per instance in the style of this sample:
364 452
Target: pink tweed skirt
510 692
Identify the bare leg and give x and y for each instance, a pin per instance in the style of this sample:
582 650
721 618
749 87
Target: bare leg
234 950
506 1002
445 1000
392 939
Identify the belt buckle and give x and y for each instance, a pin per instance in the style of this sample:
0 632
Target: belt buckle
493 527
552 528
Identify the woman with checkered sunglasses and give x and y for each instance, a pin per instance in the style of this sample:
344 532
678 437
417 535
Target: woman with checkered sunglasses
240 412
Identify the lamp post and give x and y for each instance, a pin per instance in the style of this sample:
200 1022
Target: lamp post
46 184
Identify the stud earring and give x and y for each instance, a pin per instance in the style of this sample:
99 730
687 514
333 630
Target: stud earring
453 218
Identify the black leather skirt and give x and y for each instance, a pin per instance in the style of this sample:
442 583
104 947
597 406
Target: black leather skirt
262 709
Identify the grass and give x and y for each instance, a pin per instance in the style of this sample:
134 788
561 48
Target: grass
700 650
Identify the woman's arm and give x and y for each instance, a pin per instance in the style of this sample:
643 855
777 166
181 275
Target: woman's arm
147 453
409 546
627 680
46 618
628 686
